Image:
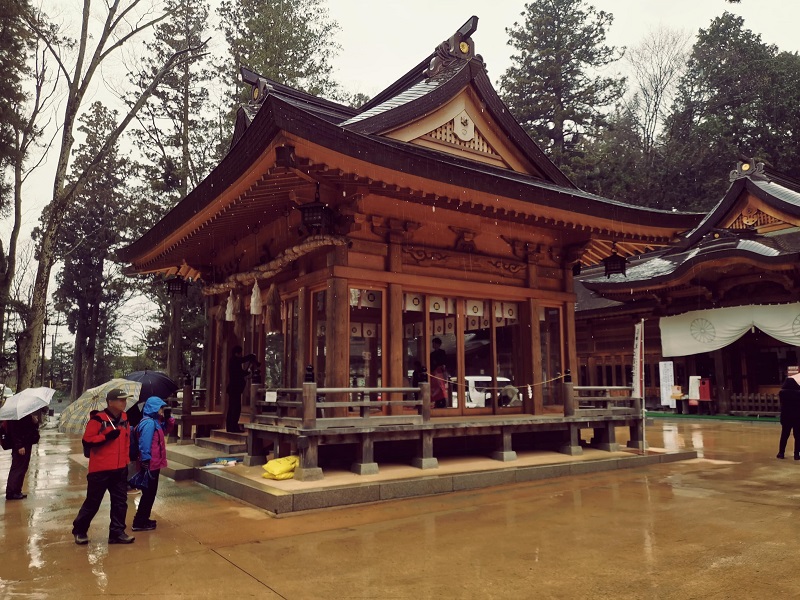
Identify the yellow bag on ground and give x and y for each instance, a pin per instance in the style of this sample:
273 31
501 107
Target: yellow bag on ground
281 468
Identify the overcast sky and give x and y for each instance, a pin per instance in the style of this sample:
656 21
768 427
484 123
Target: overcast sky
382 39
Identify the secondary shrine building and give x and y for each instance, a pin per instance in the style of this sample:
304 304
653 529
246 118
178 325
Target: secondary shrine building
720 304
423 229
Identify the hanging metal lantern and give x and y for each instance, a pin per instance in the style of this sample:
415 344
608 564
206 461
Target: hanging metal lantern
614 263
316 215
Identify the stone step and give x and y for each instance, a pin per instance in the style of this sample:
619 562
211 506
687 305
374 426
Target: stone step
178 471
221 445
195 456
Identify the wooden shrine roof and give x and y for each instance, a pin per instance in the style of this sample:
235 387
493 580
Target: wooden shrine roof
347 151
752 234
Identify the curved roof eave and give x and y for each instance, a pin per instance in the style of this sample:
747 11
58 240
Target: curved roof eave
277 115
620 284
780 197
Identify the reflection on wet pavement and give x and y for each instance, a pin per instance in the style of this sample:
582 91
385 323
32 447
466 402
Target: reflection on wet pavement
720 526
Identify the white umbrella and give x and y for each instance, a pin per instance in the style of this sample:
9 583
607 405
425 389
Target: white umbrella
7 391
26 402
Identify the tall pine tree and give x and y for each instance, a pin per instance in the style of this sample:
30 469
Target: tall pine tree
553 87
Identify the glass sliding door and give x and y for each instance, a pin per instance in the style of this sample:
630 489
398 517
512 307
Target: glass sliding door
366 342
550 331
508 336
478 383
414 349
442 360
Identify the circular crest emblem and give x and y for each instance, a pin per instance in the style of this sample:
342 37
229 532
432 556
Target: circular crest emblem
702 330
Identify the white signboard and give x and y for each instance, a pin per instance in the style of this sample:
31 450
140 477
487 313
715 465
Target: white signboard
667 377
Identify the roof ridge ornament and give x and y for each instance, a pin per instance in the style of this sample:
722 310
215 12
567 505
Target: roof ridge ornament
261 88
749 168
459 47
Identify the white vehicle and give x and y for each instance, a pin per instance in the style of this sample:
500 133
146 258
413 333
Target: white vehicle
479 390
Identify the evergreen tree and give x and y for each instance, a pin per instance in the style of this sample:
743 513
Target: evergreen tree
175 134
737 99
288 41
90 288
553 87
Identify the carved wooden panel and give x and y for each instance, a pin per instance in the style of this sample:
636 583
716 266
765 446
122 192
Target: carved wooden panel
430 257
446 134
752 217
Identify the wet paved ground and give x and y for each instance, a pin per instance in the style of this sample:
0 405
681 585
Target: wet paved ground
725 525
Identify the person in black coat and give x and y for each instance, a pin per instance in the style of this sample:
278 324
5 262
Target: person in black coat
238 366
24 433
789 396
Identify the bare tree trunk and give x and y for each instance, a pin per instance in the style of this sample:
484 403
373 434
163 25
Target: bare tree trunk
108 40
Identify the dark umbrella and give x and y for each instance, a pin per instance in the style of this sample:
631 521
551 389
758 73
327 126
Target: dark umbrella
154 383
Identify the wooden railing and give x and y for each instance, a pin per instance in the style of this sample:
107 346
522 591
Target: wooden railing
586 397
755 404
307 407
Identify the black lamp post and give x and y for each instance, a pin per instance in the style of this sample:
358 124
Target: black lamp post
614 263
316 215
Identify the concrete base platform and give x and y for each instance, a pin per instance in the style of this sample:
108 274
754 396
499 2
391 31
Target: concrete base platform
343 488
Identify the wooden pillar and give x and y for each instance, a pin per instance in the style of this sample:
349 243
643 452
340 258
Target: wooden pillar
572 440
308 469
504 450
535 405
174 337
365 461
721 382
309 412
396 358
210 365
304 337
605 437
337 340
256 450
425 459
570 338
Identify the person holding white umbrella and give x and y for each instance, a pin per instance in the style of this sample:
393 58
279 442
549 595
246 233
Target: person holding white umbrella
23 412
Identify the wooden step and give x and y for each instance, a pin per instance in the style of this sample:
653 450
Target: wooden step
221 445
222 434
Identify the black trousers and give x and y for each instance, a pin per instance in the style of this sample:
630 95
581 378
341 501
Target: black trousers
234 411
116 483
147 500
786 429
16 475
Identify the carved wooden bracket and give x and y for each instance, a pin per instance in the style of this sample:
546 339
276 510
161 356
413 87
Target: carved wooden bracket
465 242
384 226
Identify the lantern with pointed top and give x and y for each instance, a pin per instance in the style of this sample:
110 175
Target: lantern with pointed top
316 215
614 263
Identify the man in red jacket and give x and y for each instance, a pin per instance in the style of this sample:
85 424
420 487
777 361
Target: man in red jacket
108 436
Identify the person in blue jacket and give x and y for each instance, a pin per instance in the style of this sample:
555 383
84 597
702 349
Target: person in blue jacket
150 437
